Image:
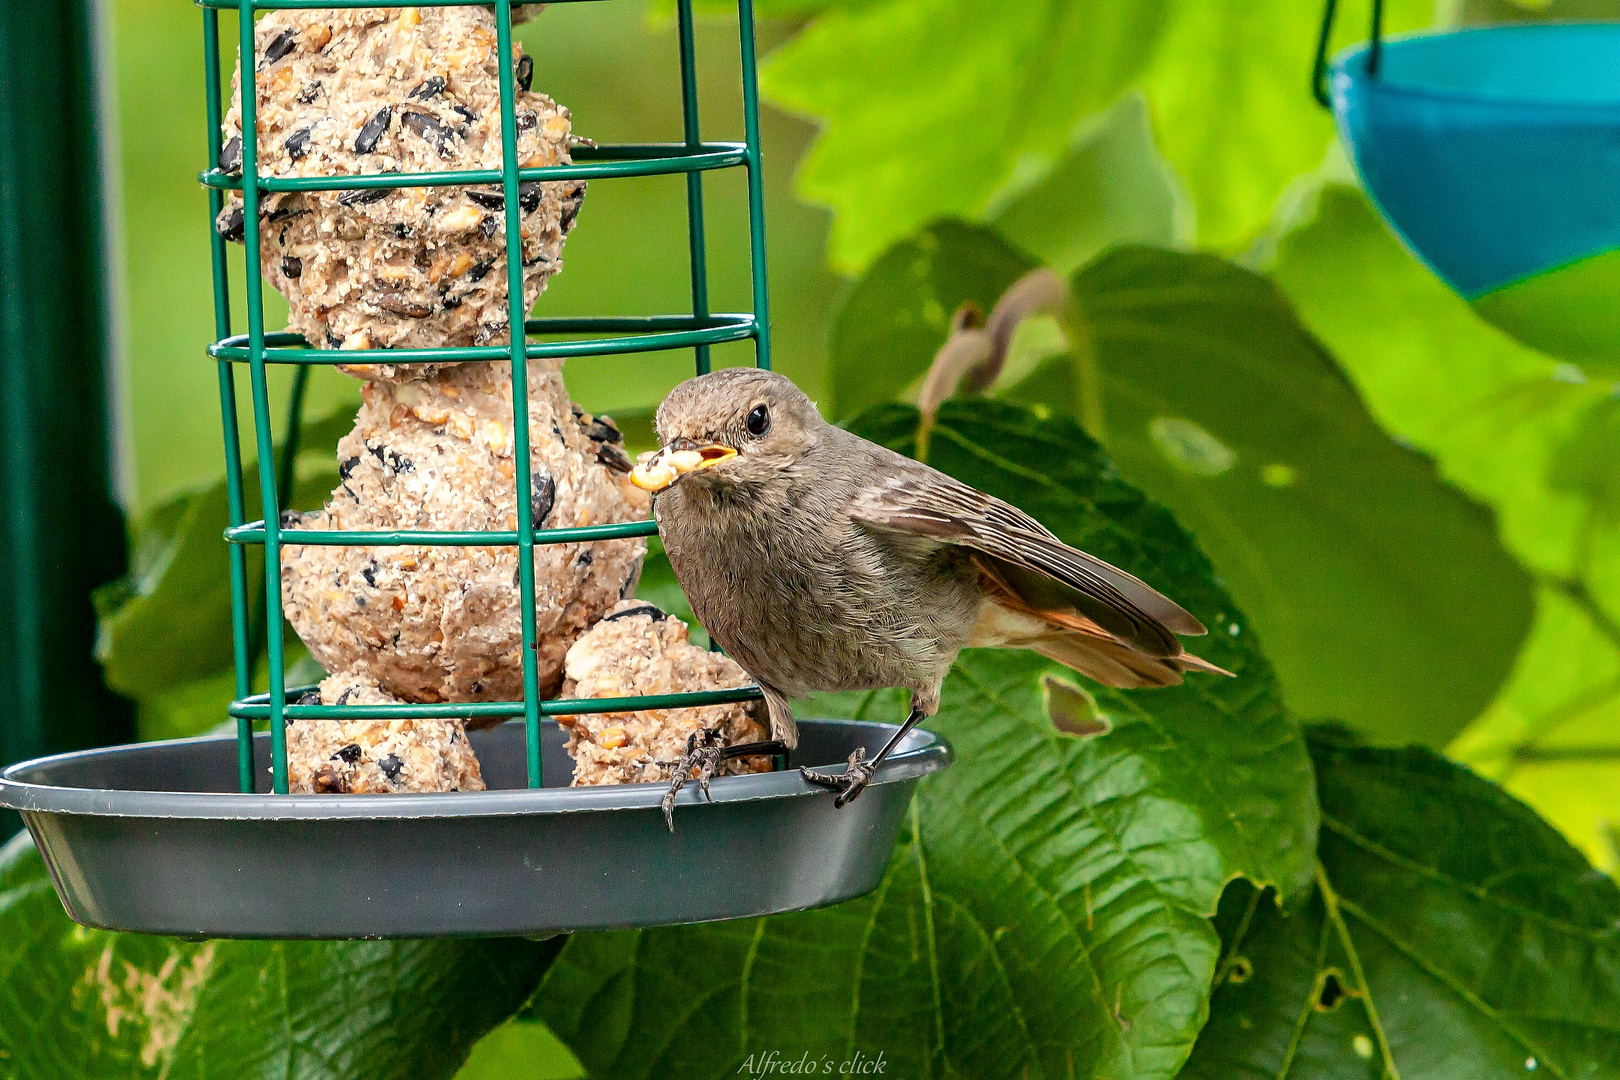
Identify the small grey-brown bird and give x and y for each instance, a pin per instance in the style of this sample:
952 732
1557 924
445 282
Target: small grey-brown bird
821 561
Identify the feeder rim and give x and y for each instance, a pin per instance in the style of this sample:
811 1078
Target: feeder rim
921 753
1343 65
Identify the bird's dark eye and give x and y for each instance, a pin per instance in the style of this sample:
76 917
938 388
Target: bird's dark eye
759 421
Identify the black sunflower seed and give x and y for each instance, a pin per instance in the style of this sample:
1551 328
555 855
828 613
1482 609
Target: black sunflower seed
571 202
489 225
464 112
649 610
614 458
293 267
391 766
279 46
297 144
230 224
529 196
542 493
525 71
230 155
350 753
328 781
362 196
346 467
527 120
438 136
480 270
372 133
429 88
412 309
309 93
310 697
487 198
370 572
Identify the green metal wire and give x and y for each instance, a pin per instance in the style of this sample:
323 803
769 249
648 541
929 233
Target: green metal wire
286 484
263 435
756 182
698 331
662 332
241 654
654 159
258 708
253 533
694 180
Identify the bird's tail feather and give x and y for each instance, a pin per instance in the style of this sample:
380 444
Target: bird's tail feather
1076 641
1108 662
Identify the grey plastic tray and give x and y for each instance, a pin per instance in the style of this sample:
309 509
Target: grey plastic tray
152 838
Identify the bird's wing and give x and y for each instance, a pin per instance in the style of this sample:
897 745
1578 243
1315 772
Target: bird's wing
909 497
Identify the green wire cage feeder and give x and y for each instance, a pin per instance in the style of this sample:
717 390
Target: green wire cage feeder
199 837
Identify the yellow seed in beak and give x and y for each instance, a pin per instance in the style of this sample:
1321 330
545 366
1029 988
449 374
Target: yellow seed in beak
667 466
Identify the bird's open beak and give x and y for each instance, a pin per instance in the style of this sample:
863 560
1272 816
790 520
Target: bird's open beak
658 470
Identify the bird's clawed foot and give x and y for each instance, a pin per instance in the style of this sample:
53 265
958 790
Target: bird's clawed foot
704 753
849 784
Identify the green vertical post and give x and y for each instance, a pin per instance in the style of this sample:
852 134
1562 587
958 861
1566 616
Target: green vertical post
61 532
516 314
756 184
694 180
262 428
240 649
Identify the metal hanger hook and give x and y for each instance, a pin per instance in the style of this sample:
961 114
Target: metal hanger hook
1319 88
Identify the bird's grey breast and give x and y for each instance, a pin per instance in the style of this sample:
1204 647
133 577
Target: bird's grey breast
803 597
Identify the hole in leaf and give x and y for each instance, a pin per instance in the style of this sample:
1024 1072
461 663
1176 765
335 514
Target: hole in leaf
1329 991
1240 970
1072 709
1190 447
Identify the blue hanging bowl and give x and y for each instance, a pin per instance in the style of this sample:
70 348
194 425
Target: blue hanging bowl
1495 154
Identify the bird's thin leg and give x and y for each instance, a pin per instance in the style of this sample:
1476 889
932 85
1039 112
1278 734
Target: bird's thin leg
703 753
859 772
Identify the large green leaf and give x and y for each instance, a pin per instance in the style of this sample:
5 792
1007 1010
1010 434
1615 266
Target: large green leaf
1112 188
1046 910
1519 431
83 1004
900 311
1452 934
931 107
1359 565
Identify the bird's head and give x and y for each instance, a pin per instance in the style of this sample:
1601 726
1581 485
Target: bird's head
735 426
